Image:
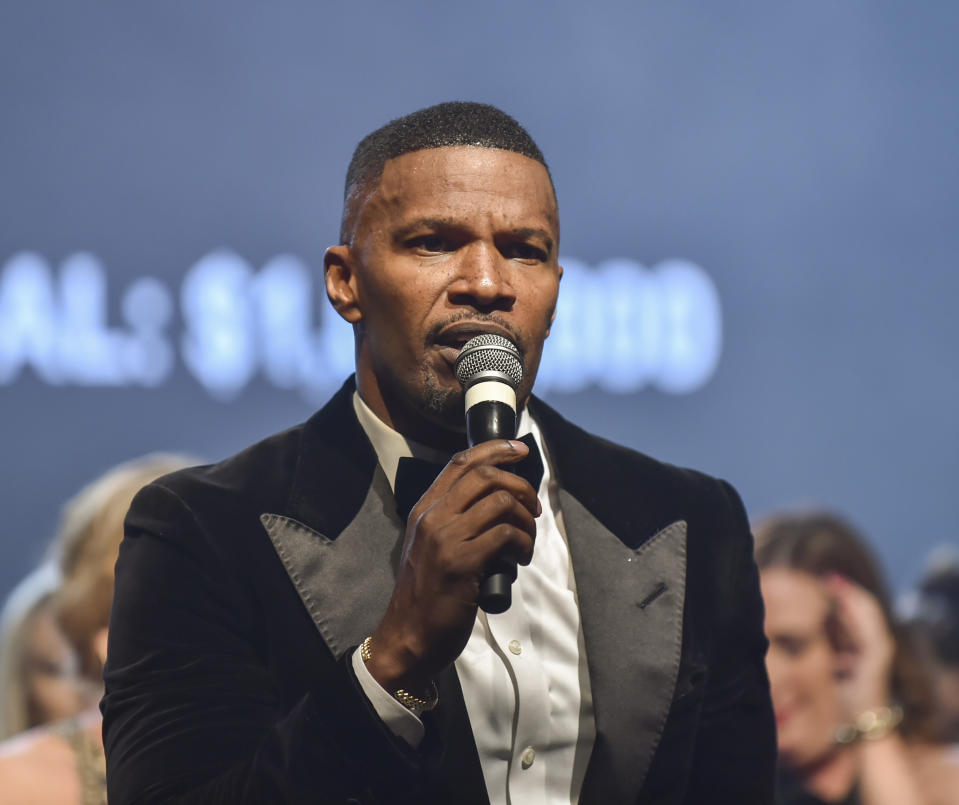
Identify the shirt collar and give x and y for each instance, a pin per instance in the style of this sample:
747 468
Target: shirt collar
391 446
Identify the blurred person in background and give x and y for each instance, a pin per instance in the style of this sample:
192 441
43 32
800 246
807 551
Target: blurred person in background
39 671
63 762
932 611
855 713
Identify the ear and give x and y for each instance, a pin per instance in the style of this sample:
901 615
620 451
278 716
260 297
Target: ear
552 316
341 282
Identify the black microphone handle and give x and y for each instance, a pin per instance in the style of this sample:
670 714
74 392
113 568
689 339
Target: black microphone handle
487 420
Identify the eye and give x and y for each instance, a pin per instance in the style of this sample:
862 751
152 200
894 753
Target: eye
430 243
524 251
793 645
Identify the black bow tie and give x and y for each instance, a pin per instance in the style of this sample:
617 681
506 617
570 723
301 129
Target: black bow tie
415 475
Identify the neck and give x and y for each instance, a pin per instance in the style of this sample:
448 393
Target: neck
411 423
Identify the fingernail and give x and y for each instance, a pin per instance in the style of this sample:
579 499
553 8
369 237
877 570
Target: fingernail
515 444
837 582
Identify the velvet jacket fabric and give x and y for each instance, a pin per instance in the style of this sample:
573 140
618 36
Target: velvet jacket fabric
243 587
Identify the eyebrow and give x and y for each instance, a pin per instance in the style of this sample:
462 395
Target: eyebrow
524 232
425 223
527 233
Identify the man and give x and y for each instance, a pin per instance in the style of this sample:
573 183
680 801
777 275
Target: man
282 634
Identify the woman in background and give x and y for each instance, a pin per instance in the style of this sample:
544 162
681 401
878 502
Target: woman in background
854 710
39 679
63 763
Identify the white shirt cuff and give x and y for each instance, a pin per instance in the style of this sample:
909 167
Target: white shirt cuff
402 722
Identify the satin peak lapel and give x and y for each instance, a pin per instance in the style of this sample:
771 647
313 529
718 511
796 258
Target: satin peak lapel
345 582
632 614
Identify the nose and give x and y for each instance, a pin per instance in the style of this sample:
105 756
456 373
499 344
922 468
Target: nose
483 279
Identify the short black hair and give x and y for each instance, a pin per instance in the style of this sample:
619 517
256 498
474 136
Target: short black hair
443 125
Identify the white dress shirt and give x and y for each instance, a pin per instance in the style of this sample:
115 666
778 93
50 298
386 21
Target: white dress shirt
523 672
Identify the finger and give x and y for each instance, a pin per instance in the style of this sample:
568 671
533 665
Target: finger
437 524
838 625
503 540
853 601
484 480
497 507
494 452
860 612
848 615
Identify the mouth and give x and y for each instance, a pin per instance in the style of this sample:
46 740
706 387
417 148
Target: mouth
784 714
456 335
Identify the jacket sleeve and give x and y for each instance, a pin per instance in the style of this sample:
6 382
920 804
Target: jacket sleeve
191 713
735 754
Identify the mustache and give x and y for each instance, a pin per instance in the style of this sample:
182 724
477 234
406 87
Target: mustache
476 318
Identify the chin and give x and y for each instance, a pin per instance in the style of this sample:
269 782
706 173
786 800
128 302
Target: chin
790 757
800 757
442 403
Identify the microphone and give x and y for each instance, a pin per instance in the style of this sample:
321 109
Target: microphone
489 368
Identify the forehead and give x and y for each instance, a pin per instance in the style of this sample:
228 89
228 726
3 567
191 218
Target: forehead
795 601
469 182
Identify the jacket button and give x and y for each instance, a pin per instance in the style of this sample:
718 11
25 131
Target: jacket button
528 756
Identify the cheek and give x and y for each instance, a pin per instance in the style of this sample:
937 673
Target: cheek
819 671
547 296
807 717
388 322
804 683
399 312
816 696
812 679
538 313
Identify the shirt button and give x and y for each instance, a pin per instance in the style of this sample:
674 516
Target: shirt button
515 646
528 756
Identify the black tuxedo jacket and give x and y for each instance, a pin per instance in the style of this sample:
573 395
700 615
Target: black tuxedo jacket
242 587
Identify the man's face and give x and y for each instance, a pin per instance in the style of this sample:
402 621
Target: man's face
453 242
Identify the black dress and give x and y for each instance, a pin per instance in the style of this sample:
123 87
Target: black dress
792 793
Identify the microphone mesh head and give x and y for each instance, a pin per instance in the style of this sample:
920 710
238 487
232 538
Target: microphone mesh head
489 354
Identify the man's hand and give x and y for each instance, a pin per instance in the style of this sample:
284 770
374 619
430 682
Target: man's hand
473 511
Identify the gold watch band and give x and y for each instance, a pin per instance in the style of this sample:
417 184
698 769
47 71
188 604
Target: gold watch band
404 697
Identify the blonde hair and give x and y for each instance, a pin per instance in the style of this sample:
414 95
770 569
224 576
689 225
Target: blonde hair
86 548
28 600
